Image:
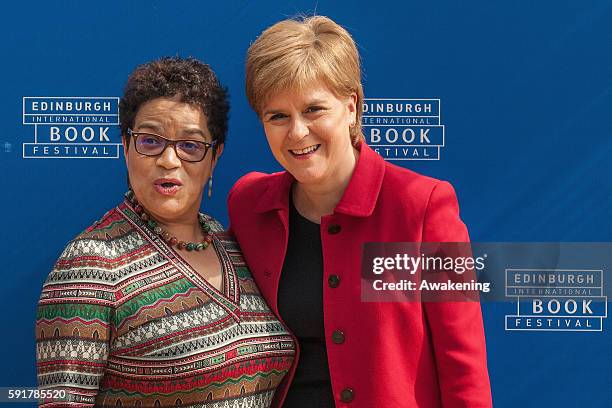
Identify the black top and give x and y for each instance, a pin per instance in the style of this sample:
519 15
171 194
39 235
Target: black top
300 304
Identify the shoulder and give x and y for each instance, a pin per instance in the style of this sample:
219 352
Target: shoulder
92 255
101 237
431 202
255 191
215 226
253 184
409 185
110 226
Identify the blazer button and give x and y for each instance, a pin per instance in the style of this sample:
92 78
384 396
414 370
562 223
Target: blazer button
333 281
347 395
338 337
334 228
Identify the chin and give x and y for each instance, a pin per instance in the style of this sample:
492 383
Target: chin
308 177
170 213
168 207
311 173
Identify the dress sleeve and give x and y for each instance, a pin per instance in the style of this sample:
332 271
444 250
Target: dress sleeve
73 328
456 327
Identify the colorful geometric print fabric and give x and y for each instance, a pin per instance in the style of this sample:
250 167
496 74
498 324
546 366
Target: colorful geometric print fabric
124 321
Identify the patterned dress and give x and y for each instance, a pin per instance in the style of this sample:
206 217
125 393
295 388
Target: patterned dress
124 321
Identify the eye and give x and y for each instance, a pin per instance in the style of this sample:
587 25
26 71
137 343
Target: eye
149 140
314 109
276 116
189 145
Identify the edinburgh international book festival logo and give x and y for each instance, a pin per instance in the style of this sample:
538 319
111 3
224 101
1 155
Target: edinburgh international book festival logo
71 127
556 300
403 129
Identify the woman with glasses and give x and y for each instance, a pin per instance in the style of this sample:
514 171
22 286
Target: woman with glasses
153 305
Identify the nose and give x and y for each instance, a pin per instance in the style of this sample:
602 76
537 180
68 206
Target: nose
168 159
298 128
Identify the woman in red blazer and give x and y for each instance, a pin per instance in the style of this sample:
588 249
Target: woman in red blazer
302 231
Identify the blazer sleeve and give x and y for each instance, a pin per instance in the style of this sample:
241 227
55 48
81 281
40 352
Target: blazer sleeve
456 327
72 332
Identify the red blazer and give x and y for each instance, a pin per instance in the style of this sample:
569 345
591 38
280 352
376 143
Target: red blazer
406 354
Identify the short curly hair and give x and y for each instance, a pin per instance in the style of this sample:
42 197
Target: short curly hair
189 79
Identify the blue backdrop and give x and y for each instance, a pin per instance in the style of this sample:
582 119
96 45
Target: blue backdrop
525 92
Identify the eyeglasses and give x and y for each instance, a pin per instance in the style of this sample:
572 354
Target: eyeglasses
150 144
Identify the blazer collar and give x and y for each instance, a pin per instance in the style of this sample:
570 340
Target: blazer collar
361 194
359 198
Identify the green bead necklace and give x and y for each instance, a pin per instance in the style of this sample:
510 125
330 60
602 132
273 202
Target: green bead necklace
165 235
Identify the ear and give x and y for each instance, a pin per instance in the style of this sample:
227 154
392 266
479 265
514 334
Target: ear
352 106
213 163
125 148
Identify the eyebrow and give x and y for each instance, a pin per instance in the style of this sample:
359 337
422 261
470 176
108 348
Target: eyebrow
189 132
316 102
194 131
272 111
150 125
309 103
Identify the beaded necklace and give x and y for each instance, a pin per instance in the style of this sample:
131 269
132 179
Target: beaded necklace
165 235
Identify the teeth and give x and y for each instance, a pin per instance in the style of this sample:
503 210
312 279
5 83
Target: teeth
306 150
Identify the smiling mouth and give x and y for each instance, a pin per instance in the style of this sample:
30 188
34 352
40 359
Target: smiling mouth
305 151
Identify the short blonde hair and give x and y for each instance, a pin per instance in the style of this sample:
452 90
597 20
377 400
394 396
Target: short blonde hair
294 53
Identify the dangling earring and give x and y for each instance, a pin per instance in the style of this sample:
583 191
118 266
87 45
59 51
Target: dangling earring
210 186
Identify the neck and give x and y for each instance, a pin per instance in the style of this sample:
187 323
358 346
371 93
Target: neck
316 200
185 227
188 231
